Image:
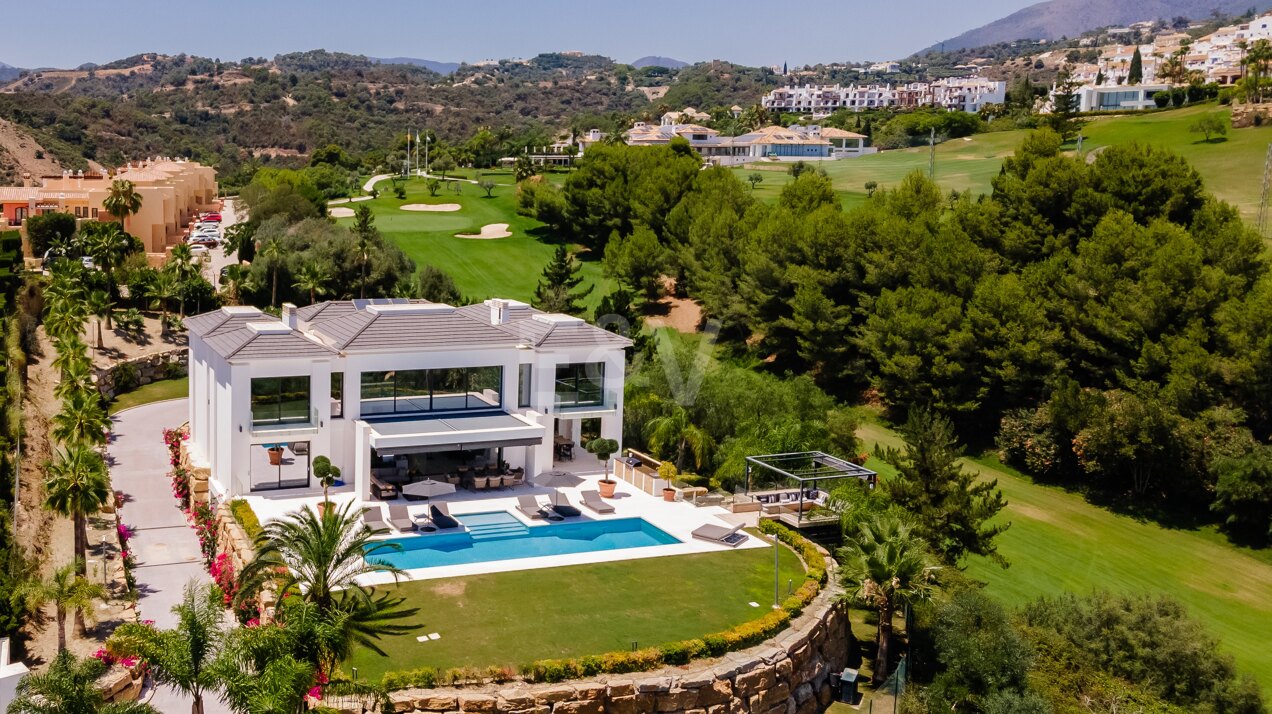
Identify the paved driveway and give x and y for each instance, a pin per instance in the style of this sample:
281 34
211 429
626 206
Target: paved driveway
166 548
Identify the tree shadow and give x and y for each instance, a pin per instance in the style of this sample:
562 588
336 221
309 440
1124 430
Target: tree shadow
1215 140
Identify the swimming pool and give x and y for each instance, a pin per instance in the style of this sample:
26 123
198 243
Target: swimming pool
499 535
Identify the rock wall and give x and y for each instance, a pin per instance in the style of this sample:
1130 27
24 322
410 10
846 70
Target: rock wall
146 369
1248 115
789 674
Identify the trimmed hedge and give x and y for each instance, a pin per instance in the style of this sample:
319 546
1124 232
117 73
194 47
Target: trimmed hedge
748 634
246 517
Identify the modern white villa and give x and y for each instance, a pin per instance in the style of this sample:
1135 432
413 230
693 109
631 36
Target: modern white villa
396 390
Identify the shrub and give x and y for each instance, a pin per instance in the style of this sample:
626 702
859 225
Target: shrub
126 377
246 517
424 677
683 651
808 551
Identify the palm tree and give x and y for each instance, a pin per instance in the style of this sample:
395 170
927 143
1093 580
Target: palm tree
100 306
108 243
181 657
77 376
273 252
673 434
77 486
260 672
122 201
234 281
82 420
69 687
312 278
164 287
1257 58
67 592
886 566
182 264
71 354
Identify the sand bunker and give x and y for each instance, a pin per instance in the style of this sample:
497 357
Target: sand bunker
492 230
341 213
431 207
337 201
361 198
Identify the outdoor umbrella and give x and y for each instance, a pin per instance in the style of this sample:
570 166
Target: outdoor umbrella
426 489
557 479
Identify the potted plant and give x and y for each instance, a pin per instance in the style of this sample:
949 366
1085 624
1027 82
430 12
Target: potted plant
327 474
275 454
667 471
604 449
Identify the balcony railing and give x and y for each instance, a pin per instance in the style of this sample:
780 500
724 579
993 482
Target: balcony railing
581 401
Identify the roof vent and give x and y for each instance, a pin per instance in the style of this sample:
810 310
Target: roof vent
557 318
411 309
240 310
269 328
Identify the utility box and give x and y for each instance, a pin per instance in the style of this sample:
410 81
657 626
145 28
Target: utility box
848 686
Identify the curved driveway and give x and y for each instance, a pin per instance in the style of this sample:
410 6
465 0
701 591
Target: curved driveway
165 545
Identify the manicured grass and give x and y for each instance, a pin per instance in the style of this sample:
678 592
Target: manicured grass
504 267
518 617
1058 541
1232 168
159 391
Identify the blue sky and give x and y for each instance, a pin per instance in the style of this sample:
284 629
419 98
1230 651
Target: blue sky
746 31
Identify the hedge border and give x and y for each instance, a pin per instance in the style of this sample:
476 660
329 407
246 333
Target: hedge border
246 518
747 634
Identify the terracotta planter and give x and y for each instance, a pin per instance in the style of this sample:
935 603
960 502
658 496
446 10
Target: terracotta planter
322 508
607 487
669 494
275 457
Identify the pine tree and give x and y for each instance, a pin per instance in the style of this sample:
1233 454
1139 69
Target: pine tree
1136 75
557 290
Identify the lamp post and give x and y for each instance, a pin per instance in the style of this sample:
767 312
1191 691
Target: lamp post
776 576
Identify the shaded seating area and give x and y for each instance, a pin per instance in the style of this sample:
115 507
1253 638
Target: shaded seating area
480 470
732 537
789 486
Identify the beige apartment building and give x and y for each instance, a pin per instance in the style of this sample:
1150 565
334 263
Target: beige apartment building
172 193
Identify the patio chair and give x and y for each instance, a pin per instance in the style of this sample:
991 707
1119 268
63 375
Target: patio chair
382 490
453 479
514 479
439 513
480 483
566 510
373 517
732 537
400 519
531 508
592 499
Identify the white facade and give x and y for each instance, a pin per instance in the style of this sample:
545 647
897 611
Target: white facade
503 395
966 94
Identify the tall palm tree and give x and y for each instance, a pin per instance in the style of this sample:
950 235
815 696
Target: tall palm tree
122 200
886 566
1257 59
181 657
273 252
67 592
676 436
69 687
182 264
108 244
77 486
82 420
312 278
162 289
234 281
100 306
77 376
71 355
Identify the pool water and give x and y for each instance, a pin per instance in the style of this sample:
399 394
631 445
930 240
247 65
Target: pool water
499 535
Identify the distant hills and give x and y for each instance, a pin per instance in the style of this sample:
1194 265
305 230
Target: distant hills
1054 19
434 65
8 72
656 61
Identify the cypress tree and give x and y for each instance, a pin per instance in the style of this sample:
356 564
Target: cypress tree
1136 75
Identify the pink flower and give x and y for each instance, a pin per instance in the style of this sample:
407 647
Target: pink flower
315 693
253 622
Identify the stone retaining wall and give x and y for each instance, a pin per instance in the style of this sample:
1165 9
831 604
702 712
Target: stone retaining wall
150 368
1243 115
789 674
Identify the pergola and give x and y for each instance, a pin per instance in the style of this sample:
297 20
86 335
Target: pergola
805 467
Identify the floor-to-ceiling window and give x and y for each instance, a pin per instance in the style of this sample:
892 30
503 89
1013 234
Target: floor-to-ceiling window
581 384
280 401
431 390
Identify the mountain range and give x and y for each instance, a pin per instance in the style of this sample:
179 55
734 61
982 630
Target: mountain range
656 61
1054 19
8 72
434 65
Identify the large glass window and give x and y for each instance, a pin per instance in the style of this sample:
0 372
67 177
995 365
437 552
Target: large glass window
280 400
431 390
580 384
337 395
524 385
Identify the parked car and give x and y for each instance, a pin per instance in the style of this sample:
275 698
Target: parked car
198 251
205 241
211 217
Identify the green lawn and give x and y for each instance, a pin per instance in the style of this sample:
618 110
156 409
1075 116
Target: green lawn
1232 168
518 617
159 391
1058 541
504 267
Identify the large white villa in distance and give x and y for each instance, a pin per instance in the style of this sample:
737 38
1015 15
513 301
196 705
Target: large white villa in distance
394 390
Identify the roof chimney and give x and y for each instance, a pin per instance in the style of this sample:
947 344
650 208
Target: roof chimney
498 311
289 314
27 181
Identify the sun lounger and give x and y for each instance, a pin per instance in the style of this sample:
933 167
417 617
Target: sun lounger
731 537
374 518
565 509
439 513
592 499
530 507
400 519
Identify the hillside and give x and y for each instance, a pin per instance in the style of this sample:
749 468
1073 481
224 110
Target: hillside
1054 19
656 61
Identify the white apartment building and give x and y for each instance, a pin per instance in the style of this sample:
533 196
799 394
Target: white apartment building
967 94
394 384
